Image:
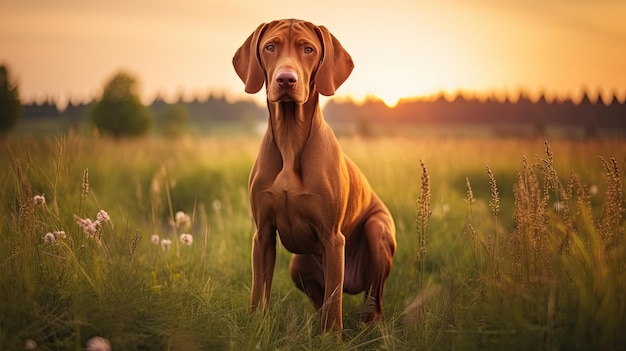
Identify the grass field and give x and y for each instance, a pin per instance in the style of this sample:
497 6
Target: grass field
503 244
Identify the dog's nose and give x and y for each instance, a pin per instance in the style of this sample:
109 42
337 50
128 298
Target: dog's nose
286 79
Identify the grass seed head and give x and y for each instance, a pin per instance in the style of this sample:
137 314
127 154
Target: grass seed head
85 184
135 242
494 203
423 208
470 194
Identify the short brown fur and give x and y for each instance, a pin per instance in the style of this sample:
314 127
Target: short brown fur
302 186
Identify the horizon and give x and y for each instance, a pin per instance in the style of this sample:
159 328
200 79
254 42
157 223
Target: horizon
422 49
497 97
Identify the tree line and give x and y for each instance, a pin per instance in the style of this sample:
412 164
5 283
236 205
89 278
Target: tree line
119 112
592 115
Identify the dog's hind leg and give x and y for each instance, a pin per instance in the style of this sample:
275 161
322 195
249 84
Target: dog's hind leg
308 275
379 233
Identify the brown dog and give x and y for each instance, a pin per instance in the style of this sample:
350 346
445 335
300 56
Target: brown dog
302 185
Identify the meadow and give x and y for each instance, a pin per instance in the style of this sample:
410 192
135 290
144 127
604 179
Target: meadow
513 244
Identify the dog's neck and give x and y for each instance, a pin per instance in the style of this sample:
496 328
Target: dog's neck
291 125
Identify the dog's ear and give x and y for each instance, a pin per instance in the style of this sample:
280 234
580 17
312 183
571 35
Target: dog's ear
335 66
247 64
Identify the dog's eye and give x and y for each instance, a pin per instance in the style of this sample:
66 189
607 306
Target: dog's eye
270 48
308 50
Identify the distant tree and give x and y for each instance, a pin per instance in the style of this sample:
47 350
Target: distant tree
364 126
10 105
119 112
173 122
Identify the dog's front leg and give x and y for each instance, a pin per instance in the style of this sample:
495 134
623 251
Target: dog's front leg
333 281
263 260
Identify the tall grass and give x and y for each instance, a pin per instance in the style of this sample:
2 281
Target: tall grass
559 280
517 257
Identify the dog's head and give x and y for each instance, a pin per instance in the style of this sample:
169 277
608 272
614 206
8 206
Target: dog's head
292 57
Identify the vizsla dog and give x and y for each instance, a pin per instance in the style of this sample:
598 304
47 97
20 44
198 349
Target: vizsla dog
302 186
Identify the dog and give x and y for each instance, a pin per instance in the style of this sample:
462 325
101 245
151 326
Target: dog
302 186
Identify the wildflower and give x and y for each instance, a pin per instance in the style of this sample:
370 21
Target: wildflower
89 228
98 343
182 220
217 205
59 234
186 239
49 238
166 244
30 344
102 216
39 199
155 239
82 221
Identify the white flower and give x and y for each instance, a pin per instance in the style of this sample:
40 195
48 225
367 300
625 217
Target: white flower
102 216
217 205
89 228
166 244
186 239
98 343
59 234
182 219
49 238
39 199
82 221
155 239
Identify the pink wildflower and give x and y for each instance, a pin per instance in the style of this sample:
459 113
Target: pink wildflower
186 239
182 219
98 343
39 199
102 216
166 244
49 238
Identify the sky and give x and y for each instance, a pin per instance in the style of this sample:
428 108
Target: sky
68 49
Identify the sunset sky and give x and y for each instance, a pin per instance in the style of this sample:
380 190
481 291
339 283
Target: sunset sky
68 49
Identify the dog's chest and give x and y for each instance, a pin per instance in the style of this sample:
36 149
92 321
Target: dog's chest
297 214
286 183
295 221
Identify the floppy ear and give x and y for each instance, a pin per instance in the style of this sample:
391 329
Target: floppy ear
335 66
247 64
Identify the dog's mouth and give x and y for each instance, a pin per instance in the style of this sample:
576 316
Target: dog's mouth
278 93
286 98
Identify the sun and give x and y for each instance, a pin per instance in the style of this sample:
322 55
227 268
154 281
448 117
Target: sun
390 98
